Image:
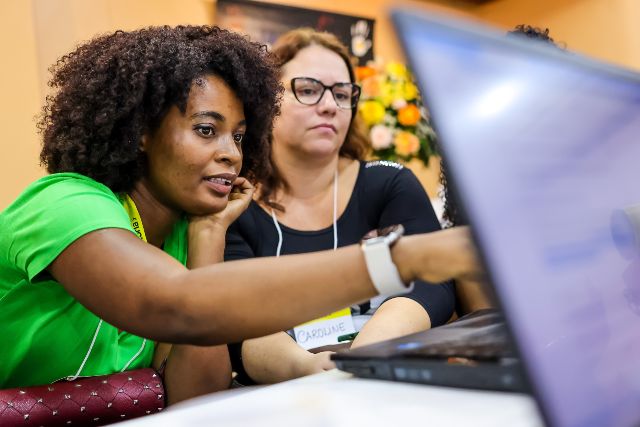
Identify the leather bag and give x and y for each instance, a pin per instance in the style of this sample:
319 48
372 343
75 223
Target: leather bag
84 401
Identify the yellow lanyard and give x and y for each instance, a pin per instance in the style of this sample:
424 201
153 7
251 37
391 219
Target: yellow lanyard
136 222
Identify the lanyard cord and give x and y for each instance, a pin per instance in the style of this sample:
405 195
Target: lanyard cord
86 356
335 218
136 223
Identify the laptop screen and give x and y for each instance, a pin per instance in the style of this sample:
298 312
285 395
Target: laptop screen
544 149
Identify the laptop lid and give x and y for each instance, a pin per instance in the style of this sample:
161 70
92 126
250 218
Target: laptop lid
543 148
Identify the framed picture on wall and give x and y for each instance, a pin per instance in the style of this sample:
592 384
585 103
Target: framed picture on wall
265 22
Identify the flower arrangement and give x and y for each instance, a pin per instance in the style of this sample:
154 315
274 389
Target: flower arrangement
392 109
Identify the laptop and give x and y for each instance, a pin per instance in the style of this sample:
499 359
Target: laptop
543 147
472 352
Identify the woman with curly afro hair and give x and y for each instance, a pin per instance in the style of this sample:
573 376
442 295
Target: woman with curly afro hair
145 138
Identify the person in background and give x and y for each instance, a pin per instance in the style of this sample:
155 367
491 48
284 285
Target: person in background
322 194
146 138
534 33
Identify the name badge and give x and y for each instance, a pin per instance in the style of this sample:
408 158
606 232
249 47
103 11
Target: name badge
325 330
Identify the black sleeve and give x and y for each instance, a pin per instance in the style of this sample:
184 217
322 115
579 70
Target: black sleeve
236 246
408 204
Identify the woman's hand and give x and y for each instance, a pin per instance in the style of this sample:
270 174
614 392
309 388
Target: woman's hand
313 363
239 200
438 256
207 232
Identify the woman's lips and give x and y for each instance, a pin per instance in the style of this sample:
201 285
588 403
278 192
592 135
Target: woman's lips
326 126
221 183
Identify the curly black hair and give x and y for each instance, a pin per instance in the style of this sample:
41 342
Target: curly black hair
451 215
532 33
115 88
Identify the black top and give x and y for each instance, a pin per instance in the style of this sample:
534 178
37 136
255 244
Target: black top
385 193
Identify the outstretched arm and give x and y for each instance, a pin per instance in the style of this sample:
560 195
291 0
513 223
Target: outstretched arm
160 299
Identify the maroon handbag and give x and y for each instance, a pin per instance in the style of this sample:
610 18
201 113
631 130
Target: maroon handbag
85 401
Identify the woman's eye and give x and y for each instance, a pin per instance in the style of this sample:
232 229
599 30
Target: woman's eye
206 131
307 91
238 137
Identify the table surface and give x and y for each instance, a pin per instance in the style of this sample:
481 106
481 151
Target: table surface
335 398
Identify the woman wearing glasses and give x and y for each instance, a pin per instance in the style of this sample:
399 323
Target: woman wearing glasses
321 195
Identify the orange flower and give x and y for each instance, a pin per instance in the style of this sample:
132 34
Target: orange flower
406 144
371 87
364 72
409 115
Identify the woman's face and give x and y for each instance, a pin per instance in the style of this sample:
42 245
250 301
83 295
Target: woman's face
194 158
313 130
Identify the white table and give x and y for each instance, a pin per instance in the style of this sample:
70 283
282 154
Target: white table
335 398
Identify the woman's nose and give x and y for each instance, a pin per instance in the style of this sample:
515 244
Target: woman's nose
327 102
228 151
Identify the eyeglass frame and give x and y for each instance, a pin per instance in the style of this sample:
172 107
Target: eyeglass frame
354 98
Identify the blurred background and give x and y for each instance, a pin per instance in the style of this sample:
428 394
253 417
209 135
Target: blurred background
34 33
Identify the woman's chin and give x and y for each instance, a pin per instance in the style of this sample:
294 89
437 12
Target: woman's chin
318 150
210 207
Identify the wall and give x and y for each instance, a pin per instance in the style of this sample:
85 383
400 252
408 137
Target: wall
33 33
20 100
604 29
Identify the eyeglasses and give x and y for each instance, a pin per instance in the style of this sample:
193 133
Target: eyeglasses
310 91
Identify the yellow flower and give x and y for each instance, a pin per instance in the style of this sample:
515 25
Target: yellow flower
410 91
409 115
396 70
406 144
372 112
385 95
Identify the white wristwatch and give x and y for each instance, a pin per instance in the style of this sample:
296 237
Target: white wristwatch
384 274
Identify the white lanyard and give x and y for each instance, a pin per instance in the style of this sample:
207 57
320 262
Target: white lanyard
136 224
335 218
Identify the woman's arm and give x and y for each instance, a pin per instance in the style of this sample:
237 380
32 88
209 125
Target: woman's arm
190 370
396 317
139 288
277 357
472 296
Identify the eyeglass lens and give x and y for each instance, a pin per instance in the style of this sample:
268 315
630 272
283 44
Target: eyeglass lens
309 91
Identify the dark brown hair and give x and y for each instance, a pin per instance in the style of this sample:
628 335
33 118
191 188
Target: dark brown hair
356 144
